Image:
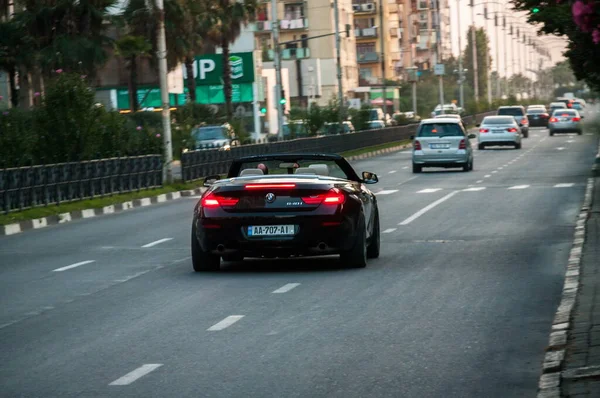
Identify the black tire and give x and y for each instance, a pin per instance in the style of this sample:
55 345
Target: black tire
375 243
579 132
481 147
417 168
517 146
466 167
357 256
526 135
551 133
471 165
201 260
233 257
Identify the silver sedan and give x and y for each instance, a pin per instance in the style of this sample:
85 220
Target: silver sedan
565 121
499 130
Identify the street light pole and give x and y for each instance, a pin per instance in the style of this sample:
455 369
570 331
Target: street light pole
277 62
488 72
164 93
339 65
461 92
474 48
496 23
382 43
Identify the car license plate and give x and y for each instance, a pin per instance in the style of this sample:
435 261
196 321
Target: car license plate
439 146
271 230
498 131
565 119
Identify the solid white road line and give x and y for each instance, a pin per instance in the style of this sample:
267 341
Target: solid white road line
427 208
405 181
560 148
386 192
389 230
391 171
429 190
225 323
286 288
73 265
136 374
474 189
519 187
157 242
565 185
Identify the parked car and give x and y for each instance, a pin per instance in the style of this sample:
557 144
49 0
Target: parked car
375 124
565 121
520 116
442 142
499 130
334 128
215 136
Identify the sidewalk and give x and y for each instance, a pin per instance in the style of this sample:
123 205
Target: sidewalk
572 364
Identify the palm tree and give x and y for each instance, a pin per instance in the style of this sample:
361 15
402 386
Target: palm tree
230 16
15 47
131 48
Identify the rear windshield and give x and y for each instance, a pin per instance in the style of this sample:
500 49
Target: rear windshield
559 105
511 111
499 120
278 167
564 112
536 111
577 105
209 133
440 130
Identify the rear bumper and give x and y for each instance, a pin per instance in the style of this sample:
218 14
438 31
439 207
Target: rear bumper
314 236
564 128
445 160
538 123
499 139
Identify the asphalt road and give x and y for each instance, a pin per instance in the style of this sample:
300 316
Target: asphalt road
459 304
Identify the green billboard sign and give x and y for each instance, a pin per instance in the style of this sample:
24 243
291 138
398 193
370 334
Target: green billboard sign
208 69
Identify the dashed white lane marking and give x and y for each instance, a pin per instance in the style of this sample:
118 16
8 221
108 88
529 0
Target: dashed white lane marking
589 134
429 190
386 192
487 176
519 187
193 197
494 172
389 230
136 374
405 167
73 265
391 171
479 182
500 168
560 148
225 323
157 242
286 288
474 189
427 208
564 185
405 181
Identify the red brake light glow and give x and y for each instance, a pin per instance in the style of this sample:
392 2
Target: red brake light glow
553 120
512 130
484 130
212 201
525 120
417 146
270 186
333 197
462 145
576 119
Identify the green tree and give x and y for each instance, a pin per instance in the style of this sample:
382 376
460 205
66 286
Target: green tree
228 18
483 51
131 48
15 46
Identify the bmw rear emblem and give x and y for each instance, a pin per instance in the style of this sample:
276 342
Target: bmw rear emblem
270 197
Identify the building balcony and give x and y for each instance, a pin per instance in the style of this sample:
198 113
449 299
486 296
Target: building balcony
364 8
262 26
368 57
293 24
290 53
365 33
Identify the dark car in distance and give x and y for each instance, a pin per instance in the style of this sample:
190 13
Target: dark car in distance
278 206
520 116
538 117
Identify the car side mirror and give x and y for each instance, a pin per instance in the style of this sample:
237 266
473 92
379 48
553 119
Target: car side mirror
210 180
369 178
412 137
471 136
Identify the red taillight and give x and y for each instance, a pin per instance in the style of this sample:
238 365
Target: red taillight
212 201
270 186
553 120
333 197
569 105
512 130
462 145
525 121
565 114
484 130
417 146
576 119
544 116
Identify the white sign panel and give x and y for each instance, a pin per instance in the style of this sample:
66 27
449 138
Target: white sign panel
175 80
439 69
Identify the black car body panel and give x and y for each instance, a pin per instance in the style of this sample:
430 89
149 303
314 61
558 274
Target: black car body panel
292 202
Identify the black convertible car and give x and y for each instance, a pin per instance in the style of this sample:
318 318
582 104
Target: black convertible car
286 205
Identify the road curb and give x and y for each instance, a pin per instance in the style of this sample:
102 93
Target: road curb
379 152
22 226
549 385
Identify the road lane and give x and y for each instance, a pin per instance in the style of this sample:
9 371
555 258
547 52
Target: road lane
457 304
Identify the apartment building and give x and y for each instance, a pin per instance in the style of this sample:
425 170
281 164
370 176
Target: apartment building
310 63
376 28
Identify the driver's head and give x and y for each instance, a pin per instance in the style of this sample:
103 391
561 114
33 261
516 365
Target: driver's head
263 167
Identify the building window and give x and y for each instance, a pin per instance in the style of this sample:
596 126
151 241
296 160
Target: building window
366 73
363 48
293 11
364 23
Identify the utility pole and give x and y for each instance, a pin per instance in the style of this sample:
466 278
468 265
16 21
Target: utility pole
488 72
336 12
382 43
474 48
164 93
460 64
438 43
277 62
496 23
506 91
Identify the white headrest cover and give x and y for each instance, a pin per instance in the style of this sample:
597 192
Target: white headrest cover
320 169
251 172
305 170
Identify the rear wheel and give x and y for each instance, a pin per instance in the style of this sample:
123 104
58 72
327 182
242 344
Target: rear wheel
417 168
357 256
471 165
551 133
481 147
375 243
467 166
580 132
203 261
526 134
518 146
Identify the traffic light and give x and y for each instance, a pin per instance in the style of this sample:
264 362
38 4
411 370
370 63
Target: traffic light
485 15
535 10
282 100
348 30
263 110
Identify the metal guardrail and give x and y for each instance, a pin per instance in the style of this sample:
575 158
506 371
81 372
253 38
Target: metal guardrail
201 163
26 187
